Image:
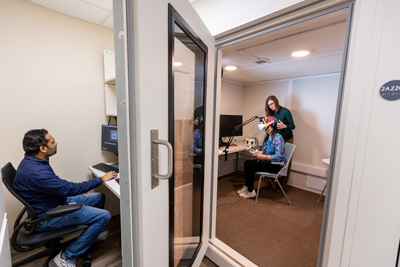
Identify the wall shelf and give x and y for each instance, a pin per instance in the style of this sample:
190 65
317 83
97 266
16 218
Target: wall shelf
109 67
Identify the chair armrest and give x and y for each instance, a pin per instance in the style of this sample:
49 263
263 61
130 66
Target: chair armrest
56 212
62 210
278 163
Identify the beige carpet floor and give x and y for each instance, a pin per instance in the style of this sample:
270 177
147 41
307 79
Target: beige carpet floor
270 232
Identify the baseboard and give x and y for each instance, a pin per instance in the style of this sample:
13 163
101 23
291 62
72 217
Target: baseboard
308 169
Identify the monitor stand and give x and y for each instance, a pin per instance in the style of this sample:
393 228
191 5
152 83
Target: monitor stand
115 165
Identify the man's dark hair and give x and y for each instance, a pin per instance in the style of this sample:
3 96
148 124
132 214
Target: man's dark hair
33 140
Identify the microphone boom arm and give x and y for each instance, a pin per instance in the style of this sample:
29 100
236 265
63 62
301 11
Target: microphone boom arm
235 130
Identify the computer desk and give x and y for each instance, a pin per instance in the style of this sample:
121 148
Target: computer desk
232 149
112 185
235 149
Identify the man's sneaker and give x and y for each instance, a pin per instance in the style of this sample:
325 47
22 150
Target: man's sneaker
250 194
102 236
58 261
243 190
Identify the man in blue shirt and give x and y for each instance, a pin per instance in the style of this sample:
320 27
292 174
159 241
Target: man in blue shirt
37 183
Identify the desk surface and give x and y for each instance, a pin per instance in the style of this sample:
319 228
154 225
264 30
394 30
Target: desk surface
232 149
112 184
327 160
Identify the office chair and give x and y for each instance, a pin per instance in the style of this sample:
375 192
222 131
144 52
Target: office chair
24 237
289 149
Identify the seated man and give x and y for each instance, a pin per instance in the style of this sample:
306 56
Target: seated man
37 183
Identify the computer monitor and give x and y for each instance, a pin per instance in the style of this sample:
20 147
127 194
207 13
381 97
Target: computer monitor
227 124
109 138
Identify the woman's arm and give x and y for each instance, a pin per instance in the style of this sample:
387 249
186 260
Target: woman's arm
279 145
289 120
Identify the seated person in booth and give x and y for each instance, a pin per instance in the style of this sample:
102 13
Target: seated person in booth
37 183
198 143
274 151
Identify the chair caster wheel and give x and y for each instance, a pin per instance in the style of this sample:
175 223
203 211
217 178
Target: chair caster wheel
87 262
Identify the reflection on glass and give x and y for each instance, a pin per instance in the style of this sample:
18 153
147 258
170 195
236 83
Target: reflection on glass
188 147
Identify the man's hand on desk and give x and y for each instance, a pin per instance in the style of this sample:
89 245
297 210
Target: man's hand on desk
110 175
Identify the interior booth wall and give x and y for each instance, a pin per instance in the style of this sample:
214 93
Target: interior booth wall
312 101
356 223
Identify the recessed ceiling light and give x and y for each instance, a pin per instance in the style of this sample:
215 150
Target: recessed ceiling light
300 53
177 63
230 67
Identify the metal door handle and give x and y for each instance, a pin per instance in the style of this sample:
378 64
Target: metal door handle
155 176
168 145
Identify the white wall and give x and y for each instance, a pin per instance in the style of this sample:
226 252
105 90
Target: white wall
313 105
312 101
254 102
231 95
363 222
51 70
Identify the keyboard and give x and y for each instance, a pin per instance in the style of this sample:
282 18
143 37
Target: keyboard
105 167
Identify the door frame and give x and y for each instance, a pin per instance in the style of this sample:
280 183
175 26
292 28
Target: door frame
219 251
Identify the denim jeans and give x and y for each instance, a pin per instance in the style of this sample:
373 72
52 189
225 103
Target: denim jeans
91 213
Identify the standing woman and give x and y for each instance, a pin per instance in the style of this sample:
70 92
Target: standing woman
274 151
285 120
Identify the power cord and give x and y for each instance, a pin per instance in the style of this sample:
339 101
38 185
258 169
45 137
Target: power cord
229 203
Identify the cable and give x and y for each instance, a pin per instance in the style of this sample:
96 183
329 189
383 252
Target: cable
229 203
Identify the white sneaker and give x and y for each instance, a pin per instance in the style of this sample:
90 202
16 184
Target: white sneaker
102 236
243 190
250 194
243 193
57 261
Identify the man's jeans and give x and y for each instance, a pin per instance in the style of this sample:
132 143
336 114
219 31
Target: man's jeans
91 213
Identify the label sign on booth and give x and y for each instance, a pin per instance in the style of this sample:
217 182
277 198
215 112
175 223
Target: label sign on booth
390 90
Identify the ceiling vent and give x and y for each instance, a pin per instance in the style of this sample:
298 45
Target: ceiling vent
261 61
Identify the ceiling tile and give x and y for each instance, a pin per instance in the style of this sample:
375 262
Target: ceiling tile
105 4
76 8
109 21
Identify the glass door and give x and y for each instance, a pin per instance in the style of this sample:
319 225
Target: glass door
168 133
187 79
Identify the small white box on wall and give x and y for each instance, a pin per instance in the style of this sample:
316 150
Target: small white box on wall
315 182
251 142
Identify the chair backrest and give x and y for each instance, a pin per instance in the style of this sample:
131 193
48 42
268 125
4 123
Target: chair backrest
8 174
289 149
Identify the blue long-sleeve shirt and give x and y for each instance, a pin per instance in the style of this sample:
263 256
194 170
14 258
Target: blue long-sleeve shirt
37 183
275 148
197 141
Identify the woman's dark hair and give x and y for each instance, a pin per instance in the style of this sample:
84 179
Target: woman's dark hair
269 112
272 133
33 140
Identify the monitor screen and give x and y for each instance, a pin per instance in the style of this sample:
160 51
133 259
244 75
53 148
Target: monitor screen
227 123
109 138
